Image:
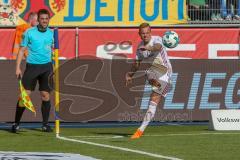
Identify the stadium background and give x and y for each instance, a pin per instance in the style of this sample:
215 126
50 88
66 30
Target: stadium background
205 63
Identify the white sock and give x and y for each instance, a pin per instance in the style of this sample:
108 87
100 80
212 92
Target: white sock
149 115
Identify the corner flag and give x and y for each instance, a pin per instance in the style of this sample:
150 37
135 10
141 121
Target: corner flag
24 99
56 77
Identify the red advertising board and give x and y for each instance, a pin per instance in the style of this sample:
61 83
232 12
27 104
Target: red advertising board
67 40
6 43
195 43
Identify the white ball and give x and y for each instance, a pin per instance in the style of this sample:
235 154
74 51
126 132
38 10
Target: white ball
170 39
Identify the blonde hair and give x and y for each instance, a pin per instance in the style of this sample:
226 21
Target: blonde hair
144 25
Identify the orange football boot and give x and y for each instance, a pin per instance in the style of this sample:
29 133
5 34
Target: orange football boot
137 134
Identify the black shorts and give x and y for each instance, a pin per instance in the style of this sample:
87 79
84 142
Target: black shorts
40 73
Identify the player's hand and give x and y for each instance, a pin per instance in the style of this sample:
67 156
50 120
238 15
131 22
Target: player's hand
18 72
128 79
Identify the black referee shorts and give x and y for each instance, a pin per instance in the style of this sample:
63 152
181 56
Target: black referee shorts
40 73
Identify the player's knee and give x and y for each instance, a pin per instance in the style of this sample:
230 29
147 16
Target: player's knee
156 98
45 96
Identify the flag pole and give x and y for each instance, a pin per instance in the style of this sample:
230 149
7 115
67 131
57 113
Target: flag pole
56 77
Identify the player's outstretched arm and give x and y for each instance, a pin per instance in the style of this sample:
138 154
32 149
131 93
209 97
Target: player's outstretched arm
130 74
155 48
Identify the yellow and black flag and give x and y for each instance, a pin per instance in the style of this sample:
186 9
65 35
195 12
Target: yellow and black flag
24 99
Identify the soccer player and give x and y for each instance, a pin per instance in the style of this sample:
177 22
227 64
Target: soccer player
158 75
39 41
31 22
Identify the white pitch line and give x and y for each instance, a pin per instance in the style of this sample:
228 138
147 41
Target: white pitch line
154 135
119 148
98 137
188 134
94 136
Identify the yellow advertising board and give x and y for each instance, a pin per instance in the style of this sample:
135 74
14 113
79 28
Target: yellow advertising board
102 12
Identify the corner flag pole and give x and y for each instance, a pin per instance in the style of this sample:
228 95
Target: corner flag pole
56 77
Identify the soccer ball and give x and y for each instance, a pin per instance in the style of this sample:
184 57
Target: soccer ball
170 39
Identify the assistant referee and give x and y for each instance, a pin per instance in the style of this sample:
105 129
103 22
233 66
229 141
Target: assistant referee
39 41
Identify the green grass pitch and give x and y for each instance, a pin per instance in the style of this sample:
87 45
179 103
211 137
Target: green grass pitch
189 142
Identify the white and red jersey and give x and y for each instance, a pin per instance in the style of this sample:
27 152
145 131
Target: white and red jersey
161 56
161 68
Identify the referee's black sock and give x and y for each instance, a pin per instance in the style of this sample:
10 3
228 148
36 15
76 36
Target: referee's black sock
46 106
19 113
